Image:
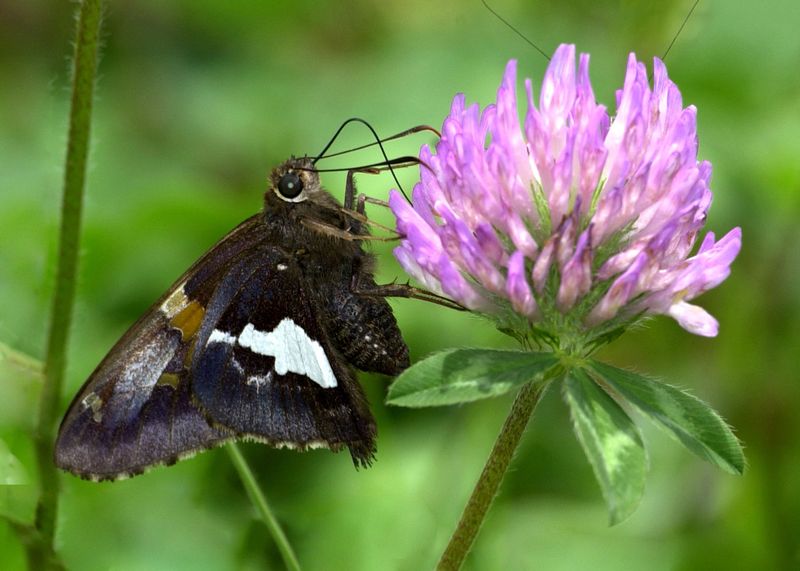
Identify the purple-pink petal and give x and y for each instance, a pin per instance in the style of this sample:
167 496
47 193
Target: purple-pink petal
694 319
519 292
576 275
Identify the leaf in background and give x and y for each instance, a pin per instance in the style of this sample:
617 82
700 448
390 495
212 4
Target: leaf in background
463 375
18 496
20 361
611 441
690 420
20 385
12 472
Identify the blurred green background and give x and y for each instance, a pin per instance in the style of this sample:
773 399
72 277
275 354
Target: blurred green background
198 99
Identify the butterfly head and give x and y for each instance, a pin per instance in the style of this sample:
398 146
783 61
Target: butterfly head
294 181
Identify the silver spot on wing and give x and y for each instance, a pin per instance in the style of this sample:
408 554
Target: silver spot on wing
93 402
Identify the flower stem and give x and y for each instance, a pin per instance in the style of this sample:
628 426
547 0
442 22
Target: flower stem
83 80
260 502
493 472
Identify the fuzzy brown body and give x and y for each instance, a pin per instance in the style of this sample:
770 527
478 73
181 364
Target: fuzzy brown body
257 340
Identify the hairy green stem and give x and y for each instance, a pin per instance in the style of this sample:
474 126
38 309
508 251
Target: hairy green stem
83 80
490 479
260 502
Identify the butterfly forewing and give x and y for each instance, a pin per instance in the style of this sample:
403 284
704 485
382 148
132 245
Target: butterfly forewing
265 368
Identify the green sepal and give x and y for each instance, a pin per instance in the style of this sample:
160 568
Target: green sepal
611 441
691 421
463 375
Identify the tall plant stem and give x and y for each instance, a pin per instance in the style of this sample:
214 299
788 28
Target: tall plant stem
490 479
83 80
260 502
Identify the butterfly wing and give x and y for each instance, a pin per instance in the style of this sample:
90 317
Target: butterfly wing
136 409
266 369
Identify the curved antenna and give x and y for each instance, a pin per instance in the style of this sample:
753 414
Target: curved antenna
411 131
378 142
398 162
335 136
513 29
678 33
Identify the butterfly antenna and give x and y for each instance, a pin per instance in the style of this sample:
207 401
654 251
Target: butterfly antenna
513 29
377 142
397 162
678 33
411 131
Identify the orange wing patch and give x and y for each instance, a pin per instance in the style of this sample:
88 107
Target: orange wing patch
188 319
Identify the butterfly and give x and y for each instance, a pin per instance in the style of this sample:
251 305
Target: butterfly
258 340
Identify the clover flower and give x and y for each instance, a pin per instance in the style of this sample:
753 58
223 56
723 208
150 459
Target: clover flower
575 223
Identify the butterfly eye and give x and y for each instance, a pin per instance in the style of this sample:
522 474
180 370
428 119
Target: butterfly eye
290 185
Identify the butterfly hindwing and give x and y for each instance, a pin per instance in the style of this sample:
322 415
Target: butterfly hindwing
136 409
264 365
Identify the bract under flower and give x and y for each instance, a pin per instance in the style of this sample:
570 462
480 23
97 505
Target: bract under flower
574 220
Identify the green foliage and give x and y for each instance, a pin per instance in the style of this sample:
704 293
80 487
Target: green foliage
463 375
12 472
691 421
609 437
20 384
611 441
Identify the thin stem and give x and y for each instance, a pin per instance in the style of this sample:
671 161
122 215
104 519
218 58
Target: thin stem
85 67
260 502
490 479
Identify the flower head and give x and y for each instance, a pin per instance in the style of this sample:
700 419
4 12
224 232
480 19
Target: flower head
572 222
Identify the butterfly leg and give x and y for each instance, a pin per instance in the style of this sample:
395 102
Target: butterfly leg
357 215
361 285
407 291
350 191
355 204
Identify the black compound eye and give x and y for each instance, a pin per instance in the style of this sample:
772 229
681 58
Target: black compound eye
290 185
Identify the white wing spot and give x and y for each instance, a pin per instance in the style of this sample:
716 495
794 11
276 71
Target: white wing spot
282 267
293 349
218 336
259 381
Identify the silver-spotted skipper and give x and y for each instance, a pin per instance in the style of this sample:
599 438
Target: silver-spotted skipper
257 340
